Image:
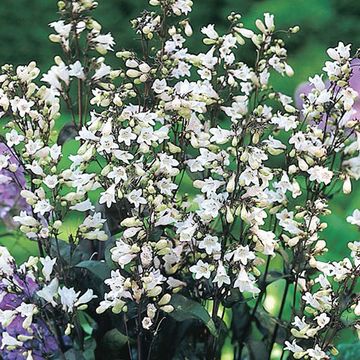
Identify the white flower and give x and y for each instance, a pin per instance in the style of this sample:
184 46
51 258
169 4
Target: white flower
201 270
210 244
181 7
322 320
245 282
68 297
320 174
159 86
242 254
103 43
340 52
6 262
27 311
122 253
221 276
108 196
42 207
220 136
8 340
118 174
83 206
285 122
56 75
210 32
85 298
48 292
13 138
354 219
166 187
126 136
48 265
4 161
146 323
135 198
102 71
51 181
77 70
267 239
317 353
293 347
22 105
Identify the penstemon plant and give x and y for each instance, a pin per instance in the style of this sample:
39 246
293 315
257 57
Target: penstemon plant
197 185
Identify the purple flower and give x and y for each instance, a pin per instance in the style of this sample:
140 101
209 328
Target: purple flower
42 343
11 183
18 286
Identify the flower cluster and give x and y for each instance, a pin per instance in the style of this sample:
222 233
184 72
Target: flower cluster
29 296
193 170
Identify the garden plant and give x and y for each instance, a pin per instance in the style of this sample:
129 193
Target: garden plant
198 185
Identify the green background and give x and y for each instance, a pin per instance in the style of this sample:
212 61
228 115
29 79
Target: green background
24 37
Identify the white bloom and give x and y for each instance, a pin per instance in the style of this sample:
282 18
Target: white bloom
48 292
146 323
108 196
242 254
320 174
211 244
103 43
245 282
210 32
48 265
135 198
83 206
126 136
77 70
102 71
317 353
201 270
8 340
13 138
51 181
42 207
68 297
85 298
221 276
354 219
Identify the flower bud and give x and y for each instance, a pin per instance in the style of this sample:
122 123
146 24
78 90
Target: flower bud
188 29
230 187
229 215
347 185
164 300
131 222
167 308
54 38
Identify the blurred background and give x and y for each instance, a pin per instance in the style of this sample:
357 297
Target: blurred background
24 37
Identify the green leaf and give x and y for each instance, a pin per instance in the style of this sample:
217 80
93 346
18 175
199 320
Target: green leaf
73 354
89 349
266 324
112 342
257 350
87 323
185 309
240 320
348 351
273 276
233 298
97 268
